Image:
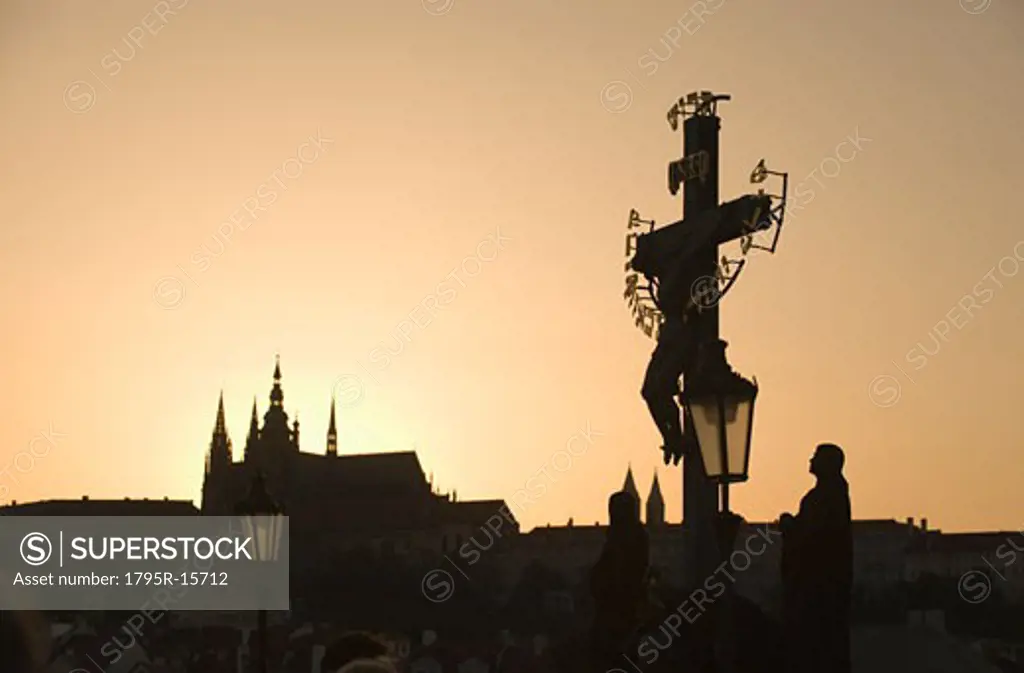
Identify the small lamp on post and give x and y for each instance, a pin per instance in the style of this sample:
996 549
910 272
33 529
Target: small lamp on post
263 521
719 407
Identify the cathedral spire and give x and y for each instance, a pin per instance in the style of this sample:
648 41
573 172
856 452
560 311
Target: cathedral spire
276 393
254 432
219 455
254 421
220 427
332 433
276 435
630 487
655 504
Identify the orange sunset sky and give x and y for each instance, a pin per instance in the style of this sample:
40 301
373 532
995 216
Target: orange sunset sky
888 322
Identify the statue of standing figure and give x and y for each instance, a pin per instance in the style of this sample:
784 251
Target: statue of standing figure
817 570
618 582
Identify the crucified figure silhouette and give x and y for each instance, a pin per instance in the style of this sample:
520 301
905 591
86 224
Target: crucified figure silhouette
676 349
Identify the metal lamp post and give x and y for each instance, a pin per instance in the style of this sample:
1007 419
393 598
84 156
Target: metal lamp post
719 406
263 521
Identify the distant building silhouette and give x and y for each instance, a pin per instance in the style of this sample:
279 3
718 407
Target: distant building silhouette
91 507
950 556
385 501
336 501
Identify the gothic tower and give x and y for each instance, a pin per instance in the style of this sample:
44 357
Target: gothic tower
332 433
630 487
276 437
655 504
270 448
252 440
219 455
218 458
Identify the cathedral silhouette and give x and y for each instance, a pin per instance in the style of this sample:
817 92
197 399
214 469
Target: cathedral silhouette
337 502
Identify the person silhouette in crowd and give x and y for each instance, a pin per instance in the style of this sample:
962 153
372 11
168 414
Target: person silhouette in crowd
618 581
367 666
817 570
350 647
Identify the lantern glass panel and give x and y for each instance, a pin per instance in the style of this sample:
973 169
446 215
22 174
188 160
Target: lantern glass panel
737 434
266 532
728 461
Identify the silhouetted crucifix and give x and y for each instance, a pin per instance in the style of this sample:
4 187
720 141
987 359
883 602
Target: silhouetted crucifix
667 257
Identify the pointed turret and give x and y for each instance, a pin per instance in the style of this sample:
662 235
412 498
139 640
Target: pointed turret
630 487
332 433
219 455
276 393
220 426
252 439
295 432
218 458
276 435
655 504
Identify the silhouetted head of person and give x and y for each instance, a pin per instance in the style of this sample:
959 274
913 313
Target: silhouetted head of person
352 647
367 666
623 510
827 461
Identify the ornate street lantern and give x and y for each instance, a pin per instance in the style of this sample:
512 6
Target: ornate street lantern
263 520
719 407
